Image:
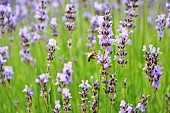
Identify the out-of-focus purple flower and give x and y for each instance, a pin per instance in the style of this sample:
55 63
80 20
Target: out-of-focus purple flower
8 72
57 107
100 8
122 104
161 23
93 30
41 15
4 52
26 57
70 16
168 6
34 37
68 70
86 15
42 79
54 25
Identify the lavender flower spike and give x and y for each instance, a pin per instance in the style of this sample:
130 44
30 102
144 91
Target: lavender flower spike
57 107
94 104
8 72
52 47
152 70
84 94
29 95
161 23
54 25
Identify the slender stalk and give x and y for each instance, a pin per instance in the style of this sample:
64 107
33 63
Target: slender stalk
99 93
8 97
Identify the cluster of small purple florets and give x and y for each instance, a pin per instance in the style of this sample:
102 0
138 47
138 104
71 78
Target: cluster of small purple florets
64 79
104 55
85 86
57 107
162 22
51 47
105 41
54 25
42 80
28 96
70 16
153 71
93 30
125 29
25 43
41 15
7 19
101 8
128 108
6 72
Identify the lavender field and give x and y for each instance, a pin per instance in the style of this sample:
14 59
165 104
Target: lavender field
84 56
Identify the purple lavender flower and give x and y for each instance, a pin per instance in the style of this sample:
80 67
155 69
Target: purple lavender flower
41 15
94 104
128 108
70 16
93 30
42 81
86 15
68 70
84 94
143 103
57 107
28 96
4 52
125 29
54 25
8 72
100 8
52 47
161 23
66 97
152 70
25 52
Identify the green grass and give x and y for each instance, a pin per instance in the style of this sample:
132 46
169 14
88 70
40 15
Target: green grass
137 83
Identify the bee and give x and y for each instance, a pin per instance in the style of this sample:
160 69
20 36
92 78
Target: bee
91 55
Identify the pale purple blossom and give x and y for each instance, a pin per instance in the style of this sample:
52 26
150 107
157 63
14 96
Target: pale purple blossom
86 15
161 23
151 68
8 72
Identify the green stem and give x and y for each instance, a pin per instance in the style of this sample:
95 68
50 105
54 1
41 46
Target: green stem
99 92
8 98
